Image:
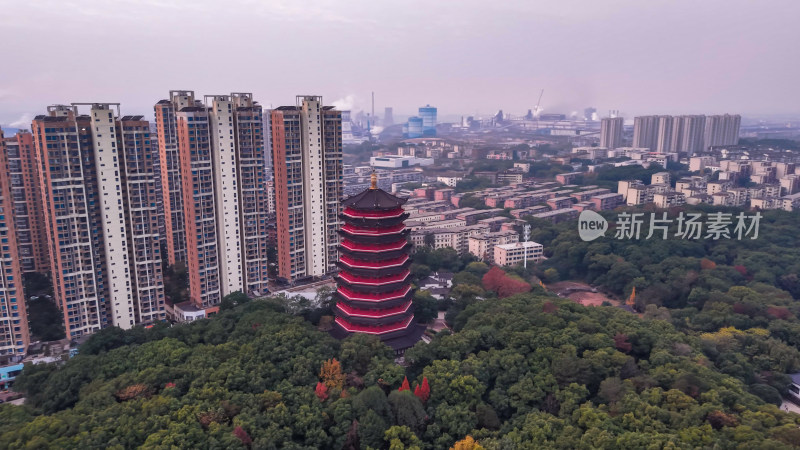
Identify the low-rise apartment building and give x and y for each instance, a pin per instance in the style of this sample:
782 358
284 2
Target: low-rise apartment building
482 245
604 202
517 253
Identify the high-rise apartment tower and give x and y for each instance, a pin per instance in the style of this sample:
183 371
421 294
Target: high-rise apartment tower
26 198
98 195
14 338
611 132
645 132
722 130
687 134
307 159
221 153
170 171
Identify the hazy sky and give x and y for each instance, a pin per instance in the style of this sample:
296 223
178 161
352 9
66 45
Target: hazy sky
466 57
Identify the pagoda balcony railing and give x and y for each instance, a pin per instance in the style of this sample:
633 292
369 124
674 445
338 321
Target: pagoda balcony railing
368 281
373 248
356 214
372 272
380 330
373 222
361 304
363 256
373 297
385 264
374 321
384 231
374 313
370 239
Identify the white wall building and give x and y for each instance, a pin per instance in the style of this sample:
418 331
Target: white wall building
517 253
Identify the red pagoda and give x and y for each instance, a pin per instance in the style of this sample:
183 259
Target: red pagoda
374 288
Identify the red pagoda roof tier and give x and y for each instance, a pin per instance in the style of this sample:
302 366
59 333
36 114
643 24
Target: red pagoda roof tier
374 313
373 248
383 231
374 329
361 214
373 297
373 200
354 279
358 264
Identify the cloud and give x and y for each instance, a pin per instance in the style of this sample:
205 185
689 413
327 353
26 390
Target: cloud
23 122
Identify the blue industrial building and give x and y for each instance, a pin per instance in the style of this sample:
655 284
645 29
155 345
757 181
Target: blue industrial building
414 128
428 115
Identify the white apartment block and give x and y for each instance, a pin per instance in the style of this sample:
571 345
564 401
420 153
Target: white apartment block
450 181
624 185
513 254
226 192
714 187
698 163
107 158
482 245
660 178
669 199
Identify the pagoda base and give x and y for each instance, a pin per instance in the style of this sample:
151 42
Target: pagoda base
398 342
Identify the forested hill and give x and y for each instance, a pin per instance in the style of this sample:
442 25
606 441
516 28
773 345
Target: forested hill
523 372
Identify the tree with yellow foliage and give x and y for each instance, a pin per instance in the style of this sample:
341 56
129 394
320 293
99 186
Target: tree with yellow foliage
468 443
331 374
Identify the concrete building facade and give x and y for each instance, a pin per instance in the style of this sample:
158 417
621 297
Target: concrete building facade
102 231
307 158
611 132
721 130
687 134
26 200
170 171
517 253
14 335
645 132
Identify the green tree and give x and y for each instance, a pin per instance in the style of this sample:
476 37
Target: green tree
407 410
402 438
425 306
233 300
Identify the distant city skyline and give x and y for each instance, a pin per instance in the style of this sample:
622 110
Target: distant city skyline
659 57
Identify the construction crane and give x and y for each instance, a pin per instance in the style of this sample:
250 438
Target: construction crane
539 102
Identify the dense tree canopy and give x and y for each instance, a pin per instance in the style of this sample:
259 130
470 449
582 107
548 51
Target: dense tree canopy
521 372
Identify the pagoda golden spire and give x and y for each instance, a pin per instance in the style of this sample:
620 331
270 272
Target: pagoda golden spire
373 180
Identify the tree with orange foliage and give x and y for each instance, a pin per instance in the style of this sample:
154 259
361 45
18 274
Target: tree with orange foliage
468 443
707 264
331 374
133 391
405 386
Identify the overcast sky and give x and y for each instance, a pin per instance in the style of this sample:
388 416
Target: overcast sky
466 56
